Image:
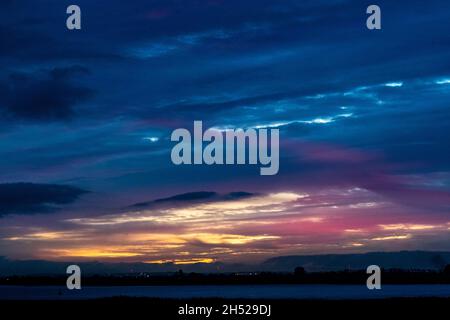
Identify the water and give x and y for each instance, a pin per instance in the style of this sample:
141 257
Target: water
221 291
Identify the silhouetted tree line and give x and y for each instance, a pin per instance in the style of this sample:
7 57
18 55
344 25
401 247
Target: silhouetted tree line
299 276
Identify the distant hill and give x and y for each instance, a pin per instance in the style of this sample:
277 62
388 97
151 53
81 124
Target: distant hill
424 260
388 260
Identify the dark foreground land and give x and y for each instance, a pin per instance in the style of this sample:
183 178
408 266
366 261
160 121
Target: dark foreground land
299 276
143 308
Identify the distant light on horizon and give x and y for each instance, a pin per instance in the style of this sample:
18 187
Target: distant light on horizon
394 237
181 261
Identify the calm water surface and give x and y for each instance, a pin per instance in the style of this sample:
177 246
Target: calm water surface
232 291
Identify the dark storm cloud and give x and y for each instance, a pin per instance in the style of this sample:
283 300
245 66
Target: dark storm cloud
199 196
31 198
255 51
44 95
235 64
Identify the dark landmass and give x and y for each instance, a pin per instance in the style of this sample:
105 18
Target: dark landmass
299 276
406 260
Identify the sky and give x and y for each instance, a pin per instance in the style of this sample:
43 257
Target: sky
86 117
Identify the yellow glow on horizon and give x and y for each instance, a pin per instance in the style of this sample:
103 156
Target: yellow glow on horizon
400 237
401 226
354 230
205 237
357 244
182 261
142 244
218 239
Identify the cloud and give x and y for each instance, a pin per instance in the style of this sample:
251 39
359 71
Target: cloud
43 96
230 206
31 198
198 196
351 136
